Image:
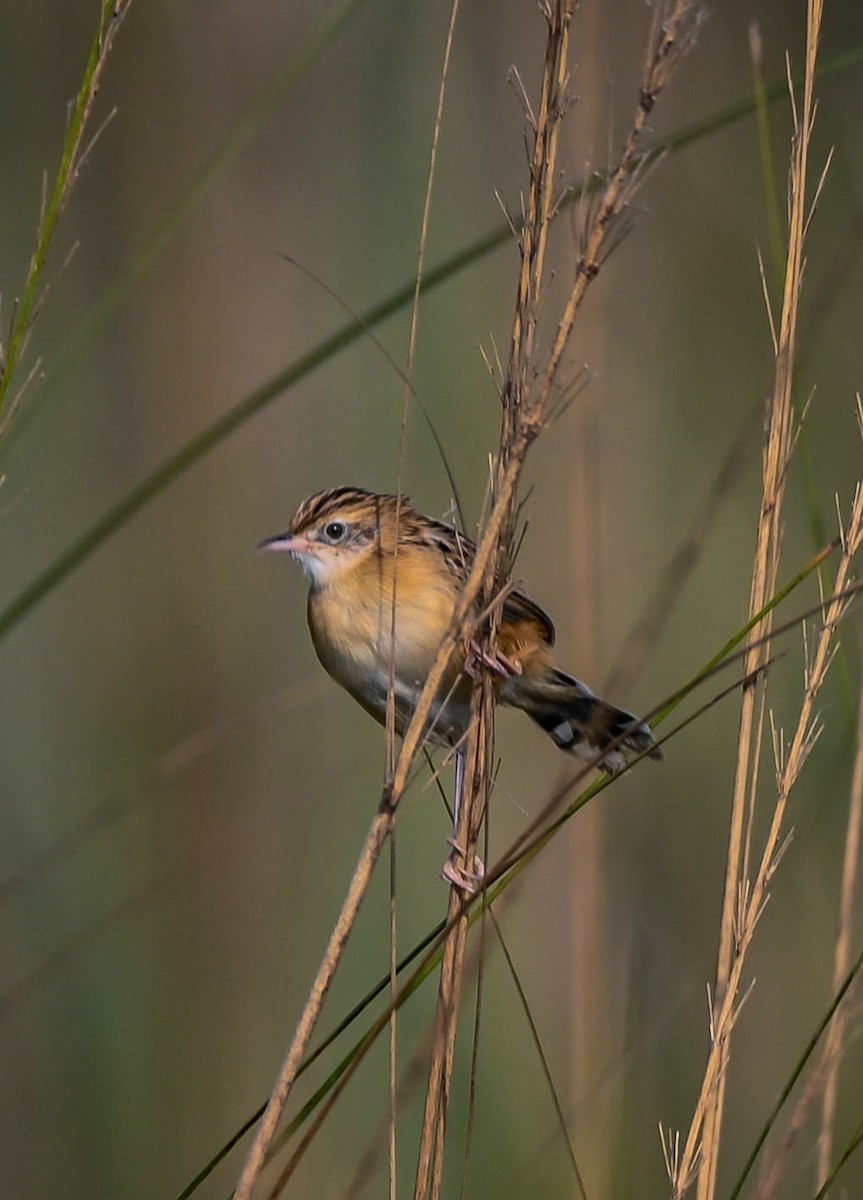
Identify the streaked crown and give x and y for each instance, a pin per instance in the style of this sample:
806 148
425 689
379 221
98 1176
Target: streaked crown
335 530
349 504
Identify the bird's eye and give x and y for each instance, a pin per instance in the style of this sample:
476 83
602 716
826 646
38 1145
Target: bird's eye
334 531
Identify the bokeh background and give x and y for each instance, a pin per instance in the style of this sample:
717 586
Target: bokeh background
184 792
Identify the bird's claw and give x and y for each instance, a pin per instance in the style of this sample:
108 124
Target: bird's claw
496 662
456 876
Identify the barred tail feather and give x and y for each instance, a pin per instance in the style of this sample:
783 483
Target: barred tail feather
578 721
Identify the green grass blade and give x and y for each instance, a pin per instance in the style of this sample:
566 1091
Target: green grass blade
194 450
348 1020
734 642
512 871
118 292
793 1077
110 16
168 226
856 1139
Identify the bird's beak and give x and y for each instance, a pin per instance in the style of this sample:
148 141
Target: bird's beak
284 543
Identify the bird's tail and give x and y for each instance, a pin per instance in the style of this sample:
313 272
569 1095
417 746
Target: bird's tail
578 721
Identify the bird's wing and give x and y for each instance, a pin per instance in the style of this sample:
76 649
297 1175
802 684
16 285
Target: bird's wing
519 607
458 551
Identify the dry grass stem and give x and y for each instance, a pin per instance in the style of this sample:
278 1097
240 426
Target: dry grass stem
533 242
393 1081
526 407
370 1162
824 1076
842 955
411 1077
524 410
702 1144
480 955
478 774
752 896
675 26
412 337
524 849
834 1047
390 714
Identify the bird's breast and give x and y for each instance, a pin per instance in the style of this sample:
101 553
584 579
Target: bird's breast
356 636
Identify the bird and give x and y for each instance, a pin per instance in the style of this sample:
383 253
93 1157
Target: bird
359 550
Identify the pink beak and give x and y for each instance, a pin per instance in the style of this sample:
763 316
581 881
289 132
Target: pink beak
285 543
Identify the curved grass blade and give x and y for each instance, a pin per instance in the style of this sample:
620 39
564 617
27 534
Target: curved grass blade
856 1139
513 863
216 433
500 878
348 1020
172 220
543 1058
792 1079
74 152
118 292
210 437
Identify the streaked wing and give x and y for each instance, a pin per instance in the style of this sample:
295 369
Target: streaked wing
458 551
455 548
519 607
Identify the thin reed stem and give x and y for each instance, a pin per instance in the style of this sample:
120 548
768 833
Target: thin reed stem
842 956
412 342
497 879
522 421
526 402
272 389
705 1132
754 893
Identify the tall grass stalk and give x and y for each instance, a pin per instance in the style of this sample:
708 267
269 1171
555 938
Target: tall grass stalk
272 389
842 952
527 403
701 1149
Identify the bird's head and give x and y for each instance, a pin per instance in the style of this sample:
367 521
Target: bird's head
336 530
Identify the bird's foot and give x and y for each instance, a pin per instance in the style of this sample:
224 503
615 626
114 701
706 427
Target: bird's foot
457 876
497 662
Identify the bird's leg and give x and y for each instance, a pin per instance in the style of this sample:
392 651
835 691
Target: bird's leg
496 661
460 767
454 874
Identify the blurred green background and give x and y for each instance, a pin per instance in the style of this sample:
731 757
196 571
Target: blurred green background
184 792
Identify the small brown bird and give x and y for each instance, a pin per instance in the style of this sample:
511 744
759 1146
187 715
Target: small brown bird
345 540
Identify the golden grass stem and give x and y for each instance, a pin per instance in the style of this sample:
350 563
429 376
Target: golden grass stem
522 852
526 405
705 1131
411 744
754 893
522 421
514 443
412 340
393 1047
478 773
825 1073
842 956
